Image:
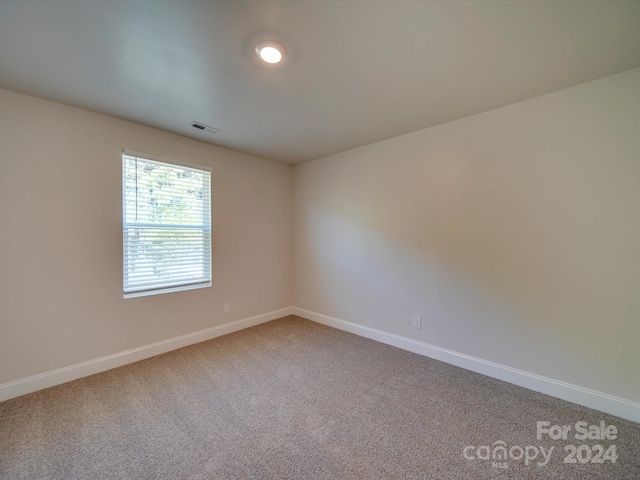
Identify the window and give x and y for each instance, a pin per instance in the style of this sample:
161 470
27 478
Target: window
166 224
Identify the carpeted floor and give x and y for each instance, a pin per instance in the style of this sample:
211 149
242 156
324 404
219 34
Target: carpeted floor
295 399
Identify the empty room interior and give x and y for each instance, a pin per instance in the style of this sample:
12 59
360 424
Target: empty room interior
318 239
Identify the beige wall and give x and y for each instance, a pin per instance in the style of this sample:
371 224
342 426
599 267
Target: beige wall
515 234
61 238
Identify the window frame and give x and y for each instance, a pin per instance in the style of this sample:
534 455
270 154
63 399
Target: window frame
177 163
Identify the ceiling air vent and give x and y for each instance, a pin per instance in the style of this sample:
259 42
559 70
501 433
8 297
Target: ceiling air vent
204 128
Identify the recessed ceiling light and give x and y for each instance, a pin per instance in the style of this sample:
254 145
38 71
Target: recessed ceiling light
270 52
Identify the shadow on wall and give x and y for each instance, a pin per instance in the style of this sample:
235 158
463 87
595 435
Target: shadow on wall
520 262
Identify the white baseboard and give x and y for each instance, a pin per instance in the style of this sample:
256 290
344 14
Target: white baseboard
79 370
603 402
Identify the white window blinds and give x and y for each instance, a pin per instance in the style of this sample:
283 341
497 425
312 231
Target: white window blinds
166 225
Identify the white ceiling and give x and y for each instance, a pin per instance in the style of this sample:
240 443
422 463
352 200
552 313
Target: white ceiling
356 71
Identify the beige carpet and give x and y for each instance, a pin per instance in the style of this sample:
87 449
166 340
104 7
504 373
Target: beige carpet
293 399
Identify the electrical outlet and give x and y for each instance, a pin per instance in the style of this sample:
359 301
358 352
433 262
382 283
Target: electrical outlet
227 308
417 322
